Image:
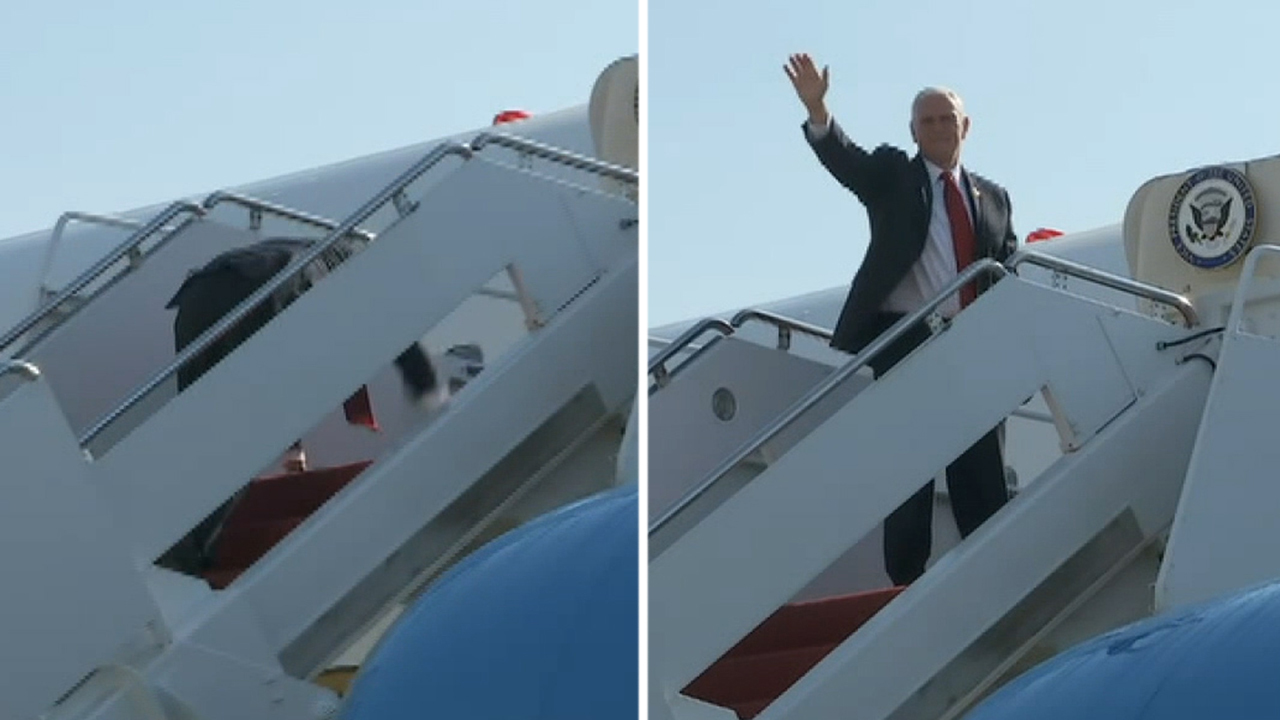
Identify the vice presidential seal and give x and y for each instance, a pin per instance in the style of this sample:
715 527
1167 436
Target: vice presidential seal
1213 217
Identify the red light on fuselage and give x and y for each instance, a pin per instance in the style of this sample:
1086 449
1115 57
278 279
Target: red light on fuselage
507 116
1041 234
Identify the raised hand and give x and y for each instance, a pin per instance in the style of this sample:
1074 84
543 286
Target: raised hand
811 86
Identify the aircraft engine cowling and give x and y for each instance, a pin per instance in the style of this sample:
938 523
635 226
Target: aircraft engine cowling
1190 232
614 113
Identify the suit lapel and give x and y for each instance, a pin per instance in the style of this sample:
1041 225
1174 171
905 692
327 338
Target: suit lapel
925 183
979 204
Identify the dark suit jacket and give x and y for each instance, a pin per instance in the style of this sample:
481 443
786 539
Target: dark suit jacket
898 195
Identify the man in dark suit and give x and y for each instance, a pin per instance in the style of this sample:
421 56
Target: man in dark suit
929 219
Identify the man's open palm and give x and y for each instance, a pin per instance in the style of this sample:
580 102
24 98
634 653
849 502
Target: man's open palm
810 85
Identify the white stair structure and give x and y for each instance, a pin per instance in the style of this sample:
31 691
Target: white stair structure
721 400
97 498
1225 532
1074 553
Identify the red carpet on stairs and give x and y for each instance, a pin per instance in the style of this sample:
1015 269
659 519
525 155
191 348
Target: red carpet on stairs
770 659
271 508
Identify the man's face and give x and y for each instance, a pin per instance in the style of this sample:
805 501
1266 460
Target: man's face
939 127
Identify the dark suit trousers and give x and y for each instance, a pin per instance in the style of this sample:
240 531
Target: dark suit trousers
975 482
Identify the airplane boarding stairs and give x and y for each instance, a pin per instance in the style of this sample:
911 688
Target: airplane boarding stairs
1074 553
1224 536
534 430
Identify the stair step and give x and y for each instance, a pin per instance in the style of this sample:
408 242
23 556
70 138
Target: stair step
241 545
270 509
816 622
292 494
748 678
748 710
780 650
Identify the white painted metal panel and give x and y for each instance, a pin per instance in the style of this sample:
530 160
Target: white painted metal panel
1226 534
72 597
299 580
689 440
948 610
97 357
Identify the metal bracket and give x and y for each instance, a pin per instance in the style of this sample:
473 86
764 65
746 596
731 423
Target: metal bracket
28 371
134 256
936 322
404 206
533 319
661 377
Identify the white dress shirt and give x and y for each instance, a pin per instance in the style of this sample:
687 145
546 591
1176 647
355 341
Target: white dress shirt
937 263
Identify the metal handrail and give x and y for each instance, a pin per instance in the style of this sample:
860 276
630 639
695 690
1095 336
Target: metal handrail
55 238
548 152
1242 285
896 331
211 335
254 204
657 362
129 246
92 218
391 193
659 343
1115 282
27 370
784 324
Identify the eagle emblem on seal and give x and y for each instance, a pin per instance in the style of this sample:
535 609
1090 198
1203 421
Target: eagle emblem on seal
1213 217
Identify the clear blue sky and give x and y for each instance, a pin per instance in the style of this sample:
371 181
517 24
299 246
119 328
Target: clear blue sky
109 106
1074 105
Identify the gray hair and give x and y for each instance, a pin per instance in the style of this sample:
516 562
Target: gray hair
932 91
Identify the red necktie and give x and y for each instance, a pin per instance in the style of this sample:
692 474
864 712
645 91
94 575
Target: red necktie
966 245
